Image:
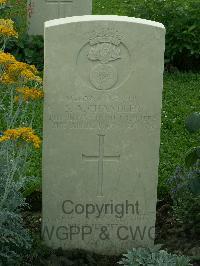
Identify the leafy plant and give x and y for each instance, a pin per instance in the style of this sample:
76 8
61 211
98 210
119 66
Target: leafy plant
17 11
29 49
14 151
193 125
185 184
193 122
26 48
14 239
32 184
154 257
185 193
182 21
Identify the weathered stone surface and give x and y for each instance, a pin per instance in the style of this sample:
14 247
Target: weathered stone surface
40 11
102 117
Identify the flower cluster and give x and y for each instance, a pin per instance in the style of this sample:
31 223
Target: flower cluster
3 2
17 71
7 28
27 94
24 133
6 58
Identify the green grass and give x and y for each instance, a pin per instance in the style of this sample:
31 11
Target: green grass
110 7
181 97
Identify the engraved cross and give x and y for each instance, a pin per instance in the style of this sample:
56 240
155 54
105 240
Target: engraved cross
100 158
59 2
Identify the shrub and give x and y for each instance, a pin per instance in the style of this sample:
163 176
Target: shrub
185 184
29 49
154 257
185 193
14 239
182 21
17 11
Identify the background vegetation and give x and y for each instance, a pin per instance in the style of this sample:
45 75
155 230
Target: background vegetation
180 17
17 12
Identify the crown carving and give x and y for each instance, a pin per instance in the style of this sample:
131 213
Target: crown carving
105 36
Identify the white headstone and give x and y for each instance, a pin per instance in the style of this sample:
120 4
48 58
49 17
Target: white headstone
40 11
102 117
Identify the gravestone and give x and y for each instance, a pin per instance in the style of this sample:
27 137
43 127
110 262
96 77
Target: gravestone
40 11
102 117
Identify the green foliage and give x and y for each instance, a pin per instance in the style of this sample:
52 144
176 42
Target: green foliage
14 239
193 125
17 11
193 122
185 193
29 49
180 17
32 184
111 7
154 257
182 22
192 157
180 98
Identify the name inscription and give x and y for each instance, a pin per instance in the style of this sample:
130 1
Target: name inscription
88 112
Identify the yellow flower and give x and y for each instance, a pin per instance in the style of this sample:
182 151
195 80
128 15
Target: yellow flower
6 58
24 133
3 2
6 79
15 70
7 28
4 138
29 93
27 74
20 71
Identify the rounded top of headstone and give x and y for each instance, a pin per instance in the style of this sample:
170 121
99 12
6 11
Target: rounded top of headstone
88 18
